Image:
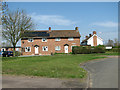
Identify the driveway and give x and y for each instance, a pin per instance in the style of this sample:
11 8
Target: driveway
103 73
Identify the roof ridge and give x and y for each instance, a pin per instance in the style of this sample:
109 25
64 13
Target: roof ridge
48 30
38 30
62 30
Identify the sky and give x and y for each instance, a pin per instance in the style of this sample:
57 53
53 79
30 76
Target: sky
62 0
101 17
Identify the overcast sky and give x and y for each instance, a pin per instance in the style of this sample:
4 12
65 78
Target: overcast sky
88 16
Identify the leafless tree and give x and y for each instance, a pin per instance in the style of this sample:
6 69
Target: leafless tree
14 25
110 43
3 10
116 43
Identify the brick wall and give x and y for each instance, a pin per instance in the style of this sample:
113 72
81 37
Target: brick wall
51 43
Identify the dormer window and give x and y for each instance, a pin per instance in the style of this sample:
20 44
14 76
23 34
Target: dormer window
70 38
30 40
57 39
44 39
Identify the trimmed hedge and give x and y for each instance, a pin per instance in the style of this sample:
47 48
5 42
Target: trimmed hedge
98 50
87 50
114 50
17 53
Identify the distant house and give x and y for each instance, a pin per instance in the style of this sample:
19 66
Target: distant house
92 40
45 42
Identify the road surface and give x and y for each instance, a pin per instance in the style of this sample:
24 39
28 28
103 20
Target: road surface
103 73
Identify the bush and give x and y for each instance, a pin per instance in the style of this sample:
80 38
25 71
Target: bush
17 53
114 50
80 50
87 50
98 50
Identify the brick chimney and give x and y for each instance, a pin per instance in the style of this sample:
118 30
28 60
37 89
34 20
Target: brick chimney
94 39
76 28
49 29
94 32
86 36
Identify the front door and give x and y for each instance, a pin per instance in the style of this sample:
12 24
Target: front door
36 50
66 49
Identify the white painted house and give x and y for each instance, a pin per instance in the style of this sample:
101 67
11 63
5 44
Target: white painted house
92 40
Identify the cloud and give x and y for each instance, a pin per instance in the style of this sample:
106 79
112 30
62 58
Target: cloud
51 20
106 24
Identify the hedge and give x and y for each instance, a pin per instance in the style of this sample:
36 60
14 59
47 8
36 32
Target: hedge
114 50
17 53
87 50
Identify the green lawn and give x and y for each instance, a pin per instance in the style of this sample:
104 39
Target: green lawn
58 66
109 53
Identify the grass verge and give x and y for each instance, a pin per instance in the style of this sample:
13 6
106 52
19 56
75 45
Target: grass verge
58 66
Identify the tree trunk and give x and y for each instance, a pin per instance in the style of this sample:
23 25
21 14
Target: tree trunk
14 51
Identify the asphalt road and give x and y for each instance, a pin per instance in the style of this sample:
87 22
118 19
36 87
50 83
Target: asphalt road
103 73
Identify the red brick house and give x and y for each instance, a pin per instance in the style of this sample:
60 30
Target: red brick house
49 41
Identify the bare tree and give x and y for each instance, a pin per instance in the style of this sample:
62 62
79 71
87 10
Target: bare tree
116 43
110 42
3 10
14 25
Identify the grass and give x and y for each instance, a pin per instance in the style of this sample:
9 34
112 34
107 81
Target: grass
109 53
57 66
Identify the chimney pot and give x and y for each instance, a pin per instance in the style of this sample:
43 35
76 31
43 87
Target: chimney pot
49 28
86 36
76 28
94 32
90 35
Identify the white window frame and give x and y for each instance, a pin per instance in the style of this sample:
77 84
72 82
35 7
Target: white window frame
57 48
45 40
30 39
70 39
44 47
27 48
57 39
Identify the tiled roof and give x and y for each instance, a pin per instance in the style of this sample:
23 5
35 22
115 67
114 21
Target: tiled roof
52 33
90 35
64 33
86 39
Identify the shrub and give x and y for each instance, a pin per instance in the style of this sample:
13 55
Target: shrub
114 50
98 50
80 50
87 50
17 53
